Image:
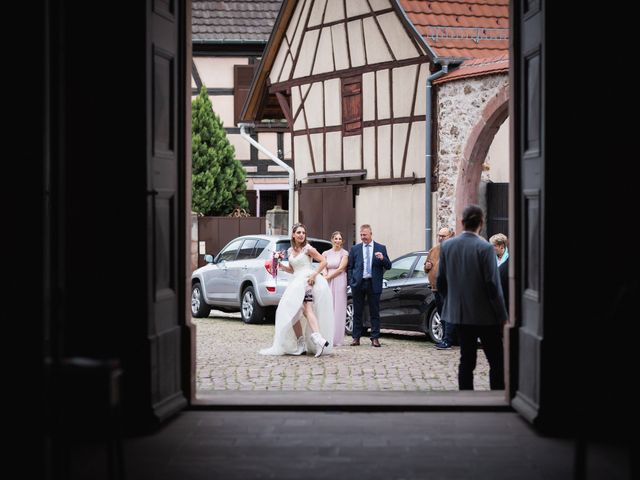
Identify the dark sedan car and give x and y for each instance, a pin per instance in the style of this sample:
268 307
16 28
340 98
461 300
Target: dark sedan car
407 302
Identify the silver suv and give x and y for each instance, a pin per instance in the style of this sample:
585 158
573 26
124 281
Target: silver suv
239 278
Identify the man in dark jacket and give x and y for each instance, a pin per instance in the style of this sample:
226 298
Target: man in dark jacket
469 283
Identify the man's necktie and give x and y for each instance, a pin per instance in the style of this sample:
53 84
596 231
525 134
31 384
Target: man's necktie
367 259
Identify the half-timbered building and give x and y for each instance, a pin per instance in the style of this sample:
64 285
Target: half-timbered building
353 80
228 39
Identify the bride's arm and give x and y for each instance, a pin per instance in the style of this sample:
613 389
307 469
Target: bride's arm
287 268
322 263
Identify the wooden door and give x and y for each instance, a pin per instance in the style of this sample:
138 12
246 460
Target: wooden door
165 203
529 158
324 209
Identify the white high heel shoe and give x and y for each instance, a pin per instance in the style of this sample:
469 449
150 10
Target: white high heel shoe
320 342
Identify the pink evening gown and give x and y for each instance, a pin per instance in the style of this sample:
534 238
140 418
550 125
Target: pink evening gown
338 286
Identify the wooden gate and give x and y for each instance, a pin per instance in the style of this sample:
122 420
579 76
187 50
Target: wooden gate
216 232
325 208
497 208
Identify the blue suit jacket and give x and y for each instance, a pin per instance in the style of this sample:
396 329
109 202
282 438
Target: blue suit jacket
356 265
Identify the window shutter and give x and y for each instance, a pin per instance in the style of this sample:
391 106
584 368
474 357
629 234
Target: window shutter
242 76
352 105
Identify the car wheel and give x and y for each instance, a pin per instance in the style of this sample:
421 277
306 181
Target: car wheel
348 324
199 307
250 310
433 326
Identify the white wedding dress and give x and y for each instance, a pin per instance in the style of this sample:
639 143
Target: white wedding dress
290 309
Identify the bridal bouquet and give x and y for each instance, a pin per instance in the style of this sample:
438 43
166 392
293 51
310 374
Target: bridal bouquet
276 258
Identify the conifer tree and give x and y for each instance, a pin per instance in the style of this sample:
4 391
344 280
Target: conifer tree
218 179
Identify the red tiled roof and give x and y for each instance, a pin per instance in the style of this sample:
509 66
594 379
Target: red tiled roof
476 67
461 28
229 21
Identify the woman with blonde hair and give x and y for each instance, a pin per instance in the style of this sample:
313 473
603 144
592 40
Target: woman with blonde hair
336 274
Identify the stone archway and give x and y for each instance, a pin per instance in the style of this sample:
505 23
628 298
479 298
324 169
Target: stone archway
475 151
470 112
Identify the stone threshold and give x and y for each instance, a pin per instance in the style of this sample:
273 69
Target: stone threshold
352 401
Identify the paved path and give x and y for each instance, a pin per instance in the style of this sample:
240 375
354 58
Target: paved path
228 360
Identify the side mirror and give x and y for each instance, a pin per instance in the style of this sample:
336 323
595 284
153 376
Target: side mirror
208 258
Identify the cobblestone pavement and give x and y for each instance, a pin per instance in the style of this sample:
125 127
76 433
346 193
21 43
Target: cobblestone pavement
228 359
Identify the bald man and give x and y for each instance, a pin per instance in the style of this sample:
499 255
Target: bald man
431 268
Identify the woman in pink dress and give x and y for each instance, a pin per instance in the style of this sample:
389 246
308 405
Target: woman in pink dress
336 275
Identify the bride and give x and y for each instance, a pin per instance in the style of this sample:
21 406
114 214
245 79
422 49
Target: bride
304 318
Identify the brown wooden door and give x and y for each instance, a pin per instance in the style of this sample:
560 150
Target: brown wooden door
165 203
529 158
324 209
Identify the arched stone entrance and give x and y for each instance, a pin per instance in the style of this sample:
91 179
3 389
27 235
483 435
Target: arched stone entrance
475 151
470 112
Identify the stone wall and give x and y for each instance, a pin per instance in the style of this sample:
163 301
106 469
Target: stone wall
459 109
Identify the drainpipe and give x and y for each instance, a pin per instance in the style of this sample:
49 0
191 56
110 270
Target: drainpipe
273 157
427 179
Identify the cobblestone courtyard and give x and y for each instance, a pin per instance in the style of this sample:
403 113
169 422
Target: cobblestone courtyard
228 360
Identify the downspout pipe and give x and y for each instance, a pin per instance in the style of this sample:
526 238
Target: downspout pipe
273 157
429 127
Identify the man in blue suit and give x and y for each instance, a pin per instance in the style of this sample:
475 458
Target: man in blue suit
367 262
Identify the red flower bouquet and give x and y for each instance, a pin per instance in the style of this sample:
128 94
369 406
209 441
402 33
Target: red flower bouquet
276 258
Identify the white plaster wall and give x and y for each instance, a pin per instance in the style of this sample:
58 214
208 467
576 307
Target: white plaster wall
324 56
242 147
314 105
396 215
223 106
316 12
351 150
303 157
356 49
379 4
217 72
377 50
335 11
268 141
384 102
295 28
274 74
332 102
318 152
404 87
400 43
497 161
334 151
399 141
369 146
384 151
357 7
368 96
421 105
303 67
416 152
340 50
459 108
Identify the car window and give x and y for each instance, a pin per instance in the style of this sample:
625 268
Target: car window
319 245
246 250
400 268
260 246
418 269
230 251
283 245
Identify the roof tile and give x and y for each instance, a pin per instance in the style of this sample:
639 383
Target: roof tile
228 20
461 28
